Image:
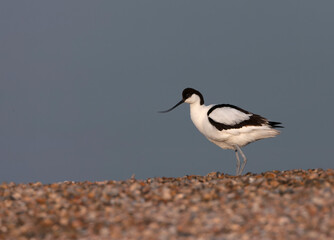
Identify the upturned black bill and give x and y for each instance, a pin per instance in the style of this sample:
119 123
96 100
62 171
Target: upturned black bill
179 103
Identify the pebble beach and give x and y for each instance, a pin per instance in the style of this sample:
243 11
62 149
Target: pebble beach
294 204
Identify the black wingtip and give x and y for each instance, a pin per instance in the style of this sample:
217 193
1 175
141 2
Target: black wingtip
275 124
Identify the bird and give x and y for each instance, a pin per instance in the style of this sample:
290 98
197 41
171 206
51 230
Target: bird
226 125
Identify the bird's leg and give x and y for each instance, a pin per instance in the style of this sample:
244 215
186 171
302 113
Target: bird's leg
244 157
238 162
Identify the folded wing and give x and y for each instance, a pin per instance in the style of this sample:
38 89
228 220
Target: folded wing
226 116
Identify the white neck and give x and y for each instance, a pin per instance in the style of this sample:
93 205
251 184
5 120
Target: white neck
198 115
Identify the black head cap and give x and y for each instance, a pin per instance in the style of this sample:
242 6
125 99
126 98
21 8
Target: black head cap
187 92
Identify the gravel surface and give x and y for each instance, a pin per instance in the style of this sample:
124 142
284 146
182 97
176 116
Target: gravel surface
296 204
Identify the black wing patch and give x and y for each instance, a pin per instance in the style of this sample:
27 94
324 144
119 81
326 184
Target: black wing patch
226 105
254 120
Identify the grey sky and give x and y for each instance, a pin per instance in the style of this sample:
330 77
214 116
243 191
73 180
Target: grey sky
82 81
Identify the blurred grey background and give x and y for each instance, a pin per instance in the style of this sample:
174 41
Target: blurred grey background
82 81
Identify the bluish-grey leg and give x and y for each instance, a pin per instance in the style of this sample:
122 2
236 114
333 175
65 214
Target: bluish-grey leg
244 157
238 163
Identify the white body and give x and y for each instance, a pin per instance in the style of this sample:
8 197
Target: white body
230 138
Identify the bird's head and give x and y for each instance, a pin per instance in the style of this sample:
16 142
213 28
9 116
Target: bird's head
189 95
